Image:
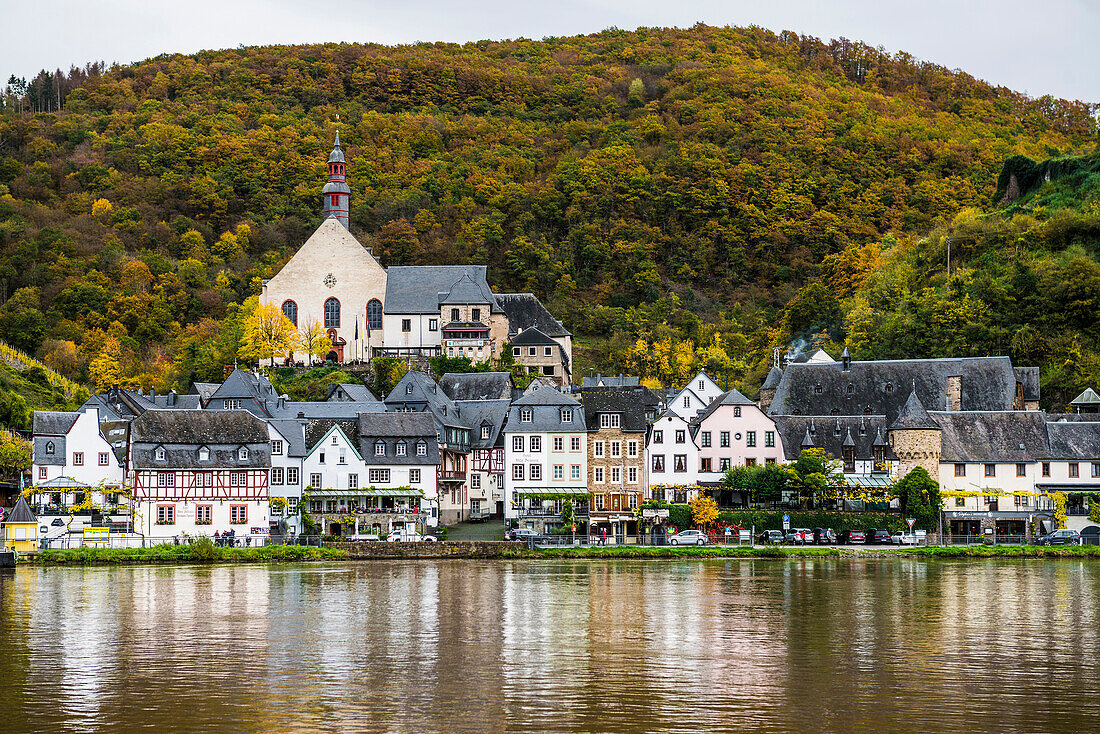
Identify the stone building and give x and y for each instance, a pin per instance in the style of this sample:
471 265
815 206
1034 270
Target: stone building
616 422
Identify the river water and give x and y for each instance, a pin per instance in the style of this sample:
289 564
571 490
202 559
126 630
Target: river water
821 645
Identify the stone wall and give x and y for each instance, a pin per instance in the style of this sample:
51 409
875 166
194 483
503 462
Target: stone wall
917 448
452 549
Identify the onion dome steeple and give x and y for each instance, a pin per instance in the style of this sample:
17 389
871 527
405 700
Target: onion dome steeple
336 195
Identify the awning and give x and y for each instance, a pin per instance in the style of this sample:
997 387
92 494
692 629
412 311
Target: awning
546 491
62 483
868 480
367 492
1092 488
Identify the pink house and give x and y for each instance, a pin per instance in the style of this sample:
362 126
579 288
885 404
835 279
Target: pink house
733 431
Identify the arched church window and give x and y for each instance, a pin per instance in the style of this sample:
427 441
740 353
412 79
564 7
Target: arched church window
332 313
374 314
290 310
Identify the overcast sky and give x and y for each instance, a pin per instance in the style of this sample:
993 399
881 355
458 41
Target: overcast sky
1035 46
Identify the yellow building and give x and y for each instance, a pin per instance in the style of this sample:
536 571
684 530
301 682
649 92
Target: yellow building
20 528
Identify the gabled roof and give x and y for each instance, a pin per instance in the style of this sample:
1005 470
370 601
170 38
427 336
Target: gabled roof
393 428
319 430
628 401
532 337
1000 436
350 392
419 389
477 413
21 514
242 384
610 381
772 380
913 416
204 389
730 397
1074 439
525 311
198 427
830 433
477 385
1028 377
466 291
1087 397
417 289
546 395
52 422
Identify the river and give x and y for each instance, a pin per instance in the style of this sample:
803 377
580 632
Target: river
798 645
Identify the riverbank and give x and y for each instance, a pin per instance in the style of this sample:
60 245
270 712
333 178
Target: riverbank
970 551
177 554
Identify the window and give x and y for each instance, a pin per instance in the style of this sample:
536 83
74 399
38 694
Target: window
658 437
960 502
242 454
681 436
616 449
166 479
353 481
658 463
769 439
632 449
609 420
276 448
1074 470
566 415
49 447
238 514
374 314
515 351
103 460
532 351
632 475
166 514
849 459
379 448
574 443
1095 469
702 385
599 499
737 411
414 476
548 351
401 448
475 314
1021 470
597 449
597 475
536 472
290 310
517 471
78 458
525 415
160 454
575 471
204 514
704 465
238 479
485 432
315 481
616 475
680 462
991 470
704 439
343 457
406 325
456 314
536 443
517 444
433 324
559 443
750 439
723 464
1046 468
332 313
769 460
960 470
687 401
559 471
276 475
421 448
724 439
231 404
378 476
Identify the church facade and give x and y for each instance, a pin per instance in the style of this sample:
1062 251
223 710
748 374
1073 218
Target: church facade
405 311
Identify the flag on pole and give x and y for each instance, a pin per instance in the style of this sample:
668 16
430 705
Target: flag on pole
356 328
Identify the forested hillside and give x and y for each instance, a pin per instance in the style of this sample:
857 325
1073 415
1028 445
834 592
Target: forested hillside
680 198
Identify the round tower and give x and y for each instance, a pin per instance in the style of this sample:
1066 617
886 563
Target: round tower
917 439
336 196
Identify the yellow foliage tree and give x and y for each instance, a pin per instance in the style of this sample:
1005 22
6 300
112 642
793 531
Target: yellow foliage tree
269 333
314 341
102 209
105 371
704 510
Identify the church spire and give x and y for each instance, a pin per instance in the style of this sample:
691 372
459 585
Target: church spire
336 196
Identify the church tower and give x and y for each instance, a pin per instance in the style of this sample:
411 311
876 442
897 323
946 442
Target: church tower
336 195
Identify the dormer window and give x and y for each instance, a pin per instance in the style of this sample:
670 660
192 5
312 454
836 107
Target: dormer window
610 420
421 448
242 454
204 454
484 432
409 389
379 448
401 448
49 447
160 453
444 409
566 415
818 389
888 387
525 415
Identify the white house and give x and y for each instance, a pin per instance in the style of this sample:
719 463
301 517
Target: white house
673 458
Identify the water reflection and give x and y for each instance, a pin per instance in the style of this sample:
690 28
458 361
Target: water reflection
827 645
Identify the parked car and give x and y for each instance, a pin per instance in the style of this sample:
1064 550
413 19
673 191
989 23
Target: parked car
799 535
851 537
1060 537
524 534
877 537
409 536
824 536
902 538
771 536
689 537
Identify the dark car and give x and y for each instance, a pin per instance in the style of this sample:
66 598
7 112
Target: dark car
851 537
524 534
879 537
771 536
1060 537
824 536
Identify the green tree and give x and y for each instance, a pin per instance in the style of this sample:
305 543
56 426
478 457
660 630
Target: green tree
919 496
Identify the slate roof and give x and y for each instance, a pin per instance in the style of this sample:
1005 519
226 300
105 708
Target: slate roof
1028 377
417 289
332 409
177 401
293 433
204 389
610 381
57 458
913 416
525 311
350 392
730 397
198 427
532 337
992 436
478 412
546 395
546 404
466 291
21 514
830 433
316 430
53 422
425 395
391 428
628 401
883 386
1074 439
771 382
477 385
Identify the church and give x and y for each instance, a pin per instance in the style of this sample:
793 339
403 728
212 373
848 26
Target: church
407 311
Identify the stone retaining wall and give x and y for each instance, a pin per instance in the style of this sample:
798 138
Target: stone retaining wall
446 549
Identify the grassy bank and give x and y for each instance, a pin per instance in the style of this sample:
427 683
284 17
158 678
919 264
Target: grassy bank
979 551
195 553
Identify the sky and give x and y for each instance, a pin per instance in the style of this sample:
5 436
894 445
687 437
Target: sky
1033 46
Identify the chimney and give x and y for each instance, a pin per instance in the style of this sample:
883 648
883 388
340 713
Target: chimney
171 397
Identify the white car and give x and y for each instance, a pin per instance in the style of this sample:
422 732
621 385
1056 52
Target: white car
409 536
689 537
900 538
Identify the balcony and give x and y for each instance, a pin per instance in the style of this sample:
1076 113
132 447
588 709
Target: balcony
449 475
578 512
